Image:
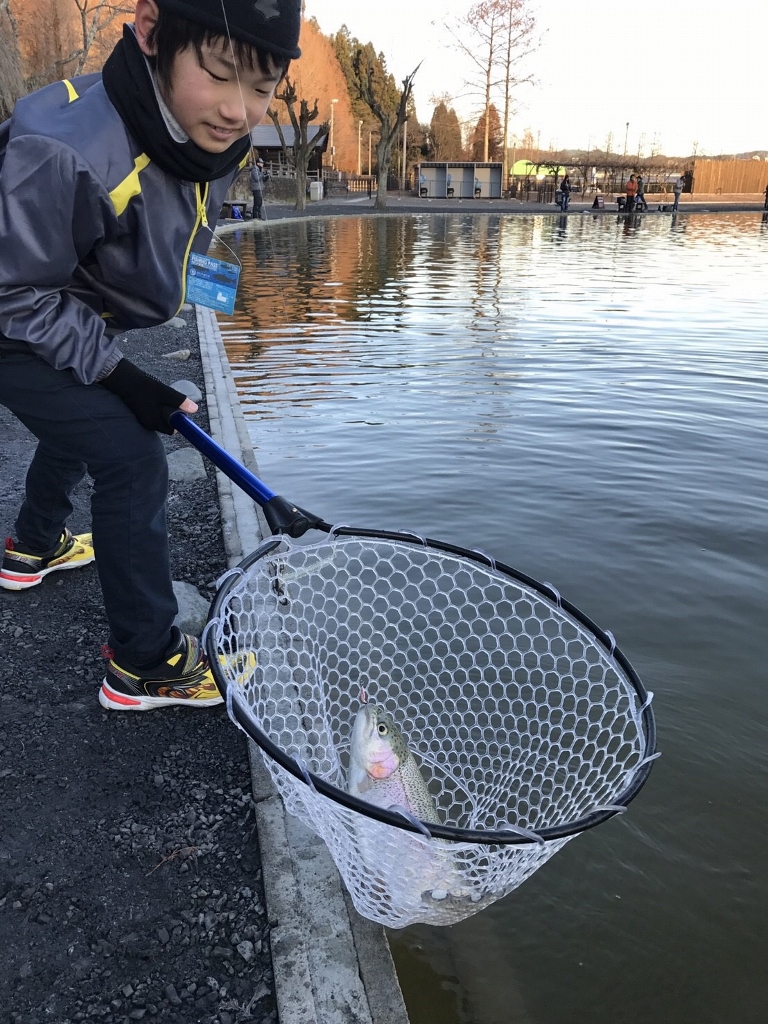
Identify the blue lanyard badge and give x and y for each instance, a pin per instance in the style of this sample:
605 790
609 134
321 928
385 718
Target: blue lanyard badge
212 282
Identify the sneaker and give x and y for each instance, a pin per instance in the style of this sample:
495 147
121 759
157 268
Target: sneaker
21 569
183 677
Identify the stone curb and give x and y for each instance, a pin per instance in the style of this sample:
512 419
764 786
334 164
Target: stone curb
330 966
398 206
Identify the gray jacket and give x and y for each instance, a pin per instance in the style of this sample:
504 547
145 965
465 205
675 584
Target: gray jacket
95 237
258 177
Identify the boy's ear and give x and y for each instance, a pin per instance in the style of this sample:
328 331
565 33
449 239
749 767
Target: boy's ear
144 21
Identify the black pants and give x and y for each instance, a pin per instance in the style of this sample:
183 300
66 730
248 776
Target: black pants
88 429
258 199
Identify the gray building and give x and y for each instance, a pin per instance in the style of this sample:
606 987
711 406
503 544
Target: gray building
459 179
266 142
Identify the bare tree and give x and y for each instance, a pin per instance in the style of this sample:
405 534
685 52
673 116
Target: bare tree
93 17
518 43
584 160
501 37
389 110
11 80
487 140
300 153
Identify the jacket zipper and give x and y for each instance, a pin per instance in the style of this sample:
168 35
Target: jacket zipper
201 220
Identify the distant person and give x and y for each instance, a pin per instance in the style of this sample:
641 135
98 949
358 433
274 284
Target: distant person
677 191
565 193
258 177
631 193
765 204
641 203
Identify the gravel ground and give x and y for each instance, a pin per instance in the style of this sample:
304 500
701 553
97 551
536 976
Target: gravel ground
130 876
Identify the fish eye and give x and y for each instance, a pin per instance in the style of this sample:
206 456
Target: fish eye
383 730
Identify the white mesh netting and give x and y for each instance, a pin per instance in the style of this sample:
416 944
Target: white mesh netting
515 714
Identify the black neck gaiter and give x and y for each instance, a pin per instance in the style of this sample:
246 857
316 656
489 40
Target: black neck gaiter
129 87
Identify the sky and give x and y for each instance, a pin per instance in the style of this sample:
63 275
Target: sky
686 79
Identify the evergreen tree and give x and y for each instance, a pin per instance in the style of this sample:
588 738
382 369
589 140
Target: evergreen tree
444 136
346 48
495 137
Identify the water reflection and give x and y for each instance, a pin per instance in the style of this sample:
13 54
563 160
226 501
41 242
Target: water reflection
585 397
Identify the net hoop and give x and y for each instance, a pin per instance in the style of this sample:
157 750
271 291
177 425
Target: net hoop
226 661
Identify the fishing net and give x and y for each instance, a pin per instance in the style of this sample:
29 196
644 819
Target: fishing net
527 723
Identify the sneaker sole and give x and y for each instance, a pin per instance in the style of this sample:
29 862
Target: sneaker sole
111 700
23 581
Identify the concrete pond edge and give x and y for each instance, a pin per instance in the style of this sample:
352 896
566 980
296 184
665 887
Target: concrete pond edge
330 965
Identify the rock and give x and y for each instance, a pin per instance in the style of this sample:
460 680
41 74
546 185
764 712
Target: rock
188 388
245 949
176 322
186 465
193 608
181 354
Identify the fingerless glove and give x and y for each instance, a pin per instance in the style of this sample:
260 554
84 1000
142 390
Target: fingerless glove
150 401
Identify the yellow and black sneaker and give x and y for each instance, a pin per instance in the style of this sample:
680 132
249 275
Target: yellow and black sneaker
183 677
22 569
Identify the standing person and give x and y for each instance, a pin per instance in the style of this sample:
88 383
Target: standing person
641 203
258 177
765 205
131 166
631 193
565 191
677 190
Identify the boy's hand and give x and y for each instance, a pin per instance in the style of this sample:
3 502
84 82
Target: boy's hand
150 401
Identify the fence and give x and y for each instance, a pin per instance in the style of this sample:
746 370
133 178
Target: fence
365 183
730 176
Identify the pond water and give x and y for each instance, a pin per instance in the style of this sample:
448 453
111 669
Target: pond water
586 398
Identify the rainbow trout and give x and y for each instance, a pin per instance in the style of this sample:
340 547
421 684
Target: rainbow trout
382 770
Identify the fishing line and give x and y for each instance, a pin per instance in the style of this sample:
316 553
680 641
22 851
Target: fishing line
252 150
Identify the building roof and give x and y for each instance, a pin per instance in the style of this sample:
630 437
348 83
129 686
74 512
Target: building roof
265 136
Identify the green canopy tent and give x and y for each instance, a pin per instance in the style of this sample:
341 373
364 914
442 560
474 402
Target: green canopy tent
526 169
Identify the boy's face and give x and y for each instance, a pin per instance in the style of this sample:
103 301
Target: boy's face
213 102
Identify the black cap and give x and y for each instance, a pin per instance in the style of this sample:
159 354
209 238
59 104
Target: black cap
271 25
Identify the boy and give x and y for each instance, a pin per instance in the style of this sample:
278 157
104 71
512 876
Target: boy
137 161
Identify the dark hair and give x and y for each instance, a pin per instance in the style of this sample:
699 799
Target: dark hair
172 34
